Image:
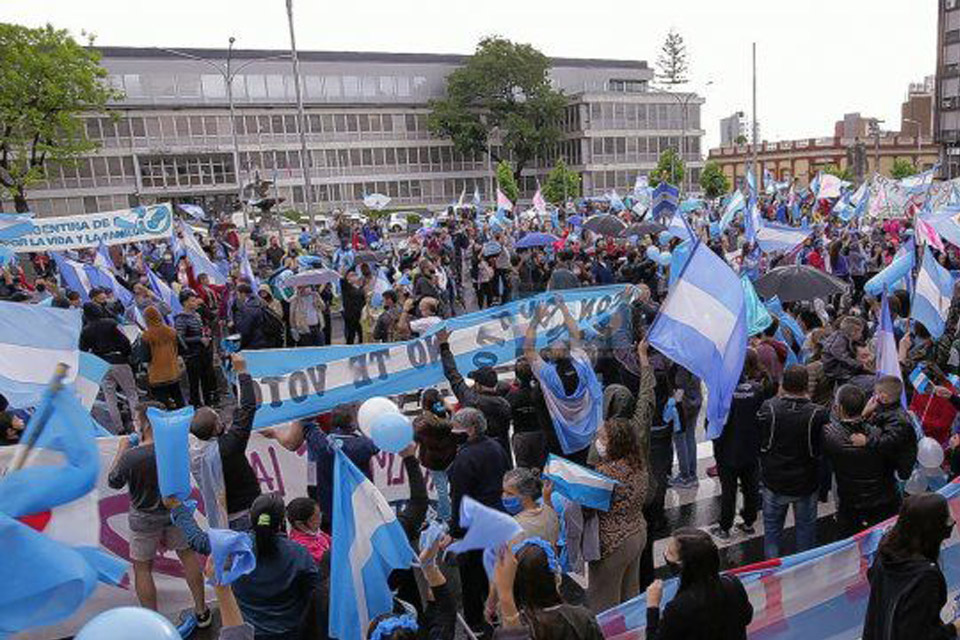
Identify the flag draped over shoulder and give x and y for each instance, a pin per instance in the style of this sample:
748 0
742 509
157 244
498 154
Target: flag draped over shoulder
702 326
368 543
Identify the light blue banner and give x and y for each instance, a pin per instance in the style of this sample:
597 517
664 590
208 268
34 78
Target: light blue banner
297 383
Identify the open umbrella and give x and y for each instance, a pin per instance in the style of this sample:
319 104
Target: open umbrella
314 277
605 225
376 201
536 240
492 248
643 229
798 282
576 221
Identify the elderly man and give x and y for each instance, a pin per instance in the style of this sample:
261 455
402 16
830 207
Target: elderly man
476 471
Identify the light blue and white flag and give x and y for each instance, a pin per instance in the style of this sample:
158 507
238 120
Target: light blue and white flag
195 211
163 291
777 237
476 197
305 381
198 257
14 225
73 275
579 484
33 341
735 203
919 183
887 359
758 317
752 182
678 260
898 269
89 375
752 222
932 295
616 202
368 543
702 326
666 197
678 227
247 271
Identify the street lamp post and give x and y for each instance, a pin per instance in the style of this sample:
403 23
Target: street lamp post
306 162
683 101
919 152
875 130
228 73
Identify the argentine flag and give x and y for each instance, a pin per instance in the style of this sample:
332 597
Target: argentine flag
932 295
777 237
735 203
579 484
702 326
33 341
368 543
898 269
678 227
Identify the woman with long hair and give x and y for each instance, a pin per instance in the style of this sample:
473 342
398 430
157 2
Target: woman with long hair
907 587
276 594
526 578
707 606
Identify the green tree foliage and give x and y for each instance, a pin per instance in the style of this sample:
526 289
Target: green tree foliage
672 64
506 181
669 168
741 139
902 168
503 87
834 170
561 183
713 181
47 81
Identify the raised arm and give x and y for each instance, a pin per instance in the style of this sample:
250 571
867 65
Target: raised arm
572 327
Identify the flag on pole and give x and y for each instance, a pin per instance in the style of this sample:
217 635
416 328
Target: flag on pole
33 340
539 204
368 543
665 200
463 197
195 211
476 196
928 234
198 258
898 269
752 182
246 270
887 359
702 326
932 295
826 185
73 276
752 222
503 202
679 228
580 484
735 203
163 291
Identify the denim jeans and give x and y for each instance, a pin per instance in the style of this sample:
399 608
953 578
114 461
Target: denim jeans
685 443
442 485
775 512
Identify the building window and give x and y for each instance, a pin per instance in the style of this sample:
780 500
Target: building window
952 37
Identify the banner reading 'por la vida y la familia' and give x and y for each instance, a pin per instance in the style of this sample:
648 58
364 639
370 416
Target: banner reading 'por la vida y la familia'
89 230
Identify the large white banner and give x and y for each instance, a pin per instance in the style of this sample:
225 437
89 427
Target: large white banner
89 230
277 469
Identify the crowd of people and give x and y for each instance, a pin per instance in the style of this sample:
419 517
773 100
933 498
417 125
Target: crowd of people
811 421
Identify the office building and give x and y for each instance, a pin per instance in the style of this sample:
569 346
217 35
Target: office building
916 112
733 129
947 103
170 138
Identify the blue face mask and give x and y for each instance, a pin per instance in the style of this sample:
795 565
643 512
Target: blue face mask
512 504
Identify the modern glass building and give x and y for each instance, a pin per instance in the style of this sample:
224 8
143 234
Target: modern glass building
171 137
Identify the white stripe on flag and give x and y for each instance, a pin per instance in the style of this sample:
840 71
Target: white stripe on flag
577 474
370 512
690 305
927 288
36 365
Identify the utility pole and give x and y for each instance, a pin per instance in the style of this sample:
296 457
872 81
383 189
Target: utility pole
306 162
228 77
875 125
756 128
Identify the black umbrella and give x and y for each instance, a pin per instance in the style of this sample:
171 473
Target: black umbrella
605 224
641 229
798 282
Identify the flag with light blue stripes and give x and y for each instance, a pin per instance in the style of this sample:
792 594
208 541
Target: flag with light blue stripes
702 326
932 295
777 237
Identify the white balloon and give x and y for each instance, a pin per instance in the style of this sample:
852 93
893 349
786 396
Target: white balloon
370 409
929 453
917 483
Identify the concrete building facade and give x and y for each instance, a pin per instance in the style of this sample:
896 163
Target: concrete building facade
947 103
171 137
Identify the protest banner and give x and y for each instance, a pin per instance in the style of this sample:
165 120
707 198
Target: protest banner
277 469
91 229
297 383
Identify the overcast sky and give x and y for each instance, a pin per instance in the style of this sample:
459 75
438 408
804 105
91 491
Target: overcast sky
817 60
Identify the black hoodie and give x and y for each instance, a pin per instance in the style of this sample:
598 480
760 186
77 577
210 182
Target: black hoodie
906 597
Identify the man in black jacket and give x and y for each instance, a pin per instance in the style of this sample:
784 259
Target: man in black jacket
867 493
242 486
895 433
198 355
102 336
790 431
249 320
483 395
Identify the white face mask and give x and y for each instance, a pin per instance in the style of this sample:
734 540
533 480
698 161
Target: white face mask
601 448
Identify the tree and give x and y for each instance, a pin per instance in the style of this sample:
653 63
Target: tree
506 181
834 170
713 181
503 87
669 168
902 169
47 81
672 65
562 183
741 139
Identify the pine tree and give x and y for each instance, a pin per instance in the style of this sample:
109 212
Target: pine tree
672 62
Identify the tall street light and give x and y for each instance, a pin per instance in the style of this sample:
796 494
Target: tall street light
306 162
919 132
228 73
683 100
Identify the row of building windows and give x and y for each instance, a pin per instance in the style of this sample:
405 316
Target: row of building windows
619 115
623 150
204 170
252 87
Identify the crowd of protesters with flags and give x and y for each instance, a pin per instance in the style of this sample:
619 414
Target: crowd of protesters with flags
811 335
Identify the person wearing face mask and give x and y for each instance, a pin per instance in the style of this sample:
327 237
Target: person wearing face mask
229 447
615 577
438 445
707 606
528 501
907 586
